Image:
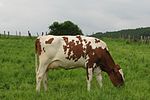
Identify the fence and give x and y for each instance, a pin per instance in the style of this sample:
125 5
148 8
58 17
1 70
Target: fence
130 38
141 39
19 34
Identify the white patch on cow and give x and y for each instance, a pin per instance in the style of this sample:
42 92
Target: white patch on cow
103 44
45 81
90 75
40 75
93 53
94 66
121 72
98 72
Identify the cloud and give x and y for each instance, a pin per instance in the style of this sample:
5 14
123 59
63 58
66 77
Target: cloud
90 15
1 4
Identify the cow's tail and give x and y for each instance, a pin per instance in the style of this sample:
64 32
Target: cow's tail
36 62
36 57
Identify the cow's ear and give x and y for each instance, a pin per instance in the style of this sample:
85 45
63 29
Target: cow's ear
115 69
117 66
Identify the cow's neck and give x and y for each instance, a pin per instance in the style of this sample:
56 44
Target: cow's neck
107 63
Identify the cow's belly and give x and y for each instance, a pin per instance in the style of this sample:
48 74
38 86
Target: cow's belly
66 64
59 59
72 64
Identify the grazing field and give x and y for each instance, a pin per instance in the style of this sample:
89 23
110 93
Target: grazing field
17 74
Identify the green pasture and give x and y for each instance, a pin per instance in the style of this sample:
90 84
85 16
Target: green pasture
17 74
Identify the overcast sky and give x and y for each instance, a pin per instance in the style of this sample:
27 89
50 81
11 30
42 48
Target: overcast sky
90 15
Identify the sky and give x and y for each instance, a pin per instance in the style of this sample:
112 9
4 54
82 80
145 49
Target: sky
90 15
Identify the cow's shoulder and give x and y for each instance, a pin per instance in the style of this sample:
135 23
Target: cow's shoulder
95 42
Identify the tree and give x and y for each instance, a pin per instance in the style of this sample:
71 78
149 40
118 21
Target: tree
65 28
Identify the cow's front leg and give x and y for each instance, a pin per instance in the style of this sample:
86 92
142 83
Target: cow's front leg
98 73
89 77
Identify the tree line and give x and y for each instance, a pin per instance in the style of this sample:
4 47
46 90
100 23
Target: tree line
137 34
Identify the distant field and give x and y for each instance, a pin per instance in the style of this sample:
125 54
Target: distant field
17 74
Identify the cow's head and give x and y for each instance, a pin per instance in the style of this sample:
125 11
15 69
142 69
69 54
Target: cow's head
116 76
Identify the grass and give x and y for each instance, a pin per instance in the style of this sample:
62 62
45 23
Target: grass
17 74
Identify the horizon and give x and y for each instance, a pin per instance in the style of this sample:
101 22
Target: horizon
40 33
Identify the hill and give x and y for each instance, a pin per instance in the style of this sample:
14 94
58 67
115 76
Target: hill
136 34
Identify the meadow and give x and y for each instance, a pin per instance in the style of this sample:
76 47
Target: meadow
17 74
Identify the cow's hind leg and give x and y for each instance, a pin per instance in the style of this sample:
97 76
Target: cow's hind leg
89 77
45 81
40 75
98 72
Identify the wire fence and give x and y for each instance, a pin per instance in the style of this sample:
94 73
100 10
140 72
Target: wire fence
19 34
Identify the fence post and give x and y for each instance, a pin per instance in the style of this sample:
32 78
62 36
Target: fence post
29 34
129 38
133 38
16 33
141 39
46 33
8 33
4 33
42 33
148 39
37 34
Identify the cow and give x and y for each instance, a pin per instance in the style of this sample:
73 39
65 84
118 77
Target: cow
70 52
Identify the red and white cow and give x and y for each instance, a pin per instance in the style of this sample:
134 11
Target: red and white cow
73 52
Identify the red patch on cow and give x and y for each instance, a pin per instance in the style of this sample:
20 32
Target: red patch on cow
38 46
85 40
65 46
92 54
79 37
65 39
97 40
49 41
75 50
74 47
43 49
